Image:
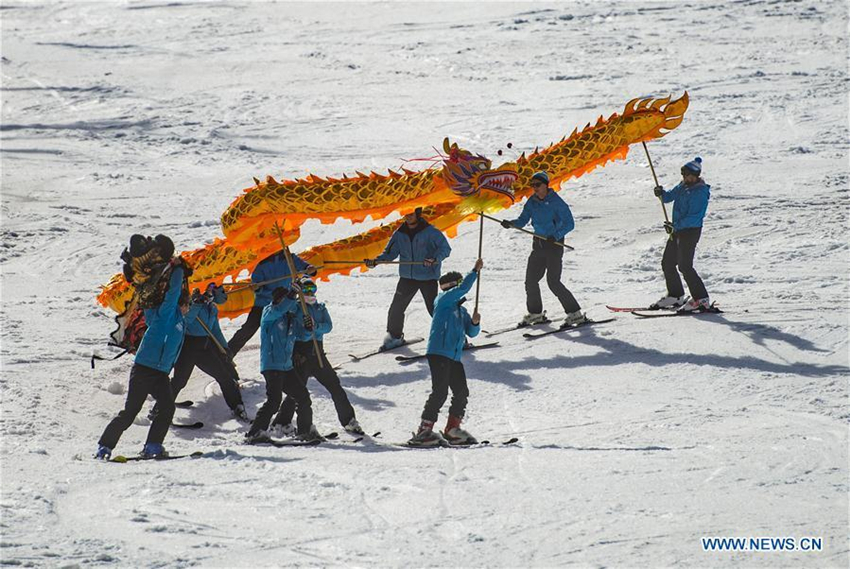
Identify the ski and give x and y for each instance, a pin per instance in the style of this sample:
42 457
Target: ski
287 443
520 327
357 358
566 328
123 459
478 444
630 309
195 425
711 310
467 348
183 404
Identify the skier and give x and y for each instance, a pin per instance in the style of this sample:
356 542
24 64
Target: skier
691 202
277 339
307 365
200 350
449 328
416 241
160 282
551 218
271 268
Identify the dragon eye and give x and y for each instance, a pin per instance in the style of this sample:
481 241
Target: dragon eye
482 166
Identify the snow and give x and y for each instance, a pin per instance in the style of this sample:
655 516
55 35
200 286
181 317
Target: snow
637 438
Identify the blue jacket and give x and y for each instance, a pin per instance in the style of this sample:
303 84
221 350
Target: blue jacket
691 204
452 323
277 335
208 313
423 242
271 268
163 339
321 319
550 217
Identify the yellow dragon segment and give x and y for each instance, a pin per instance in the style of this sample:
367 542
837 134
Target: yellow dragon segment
465 185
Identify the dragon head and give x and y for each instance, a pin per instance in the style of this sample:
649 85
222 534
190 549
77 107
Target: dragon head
467 174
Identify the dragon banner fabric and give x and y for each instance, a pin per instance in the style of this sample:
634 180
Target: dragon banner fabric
451 193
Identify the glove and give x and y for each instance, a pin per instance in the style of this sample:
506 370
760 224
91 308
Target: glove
507 224
668 227
294 291
311 270
429 262
659 191
279 294
308 322
371 263
197 297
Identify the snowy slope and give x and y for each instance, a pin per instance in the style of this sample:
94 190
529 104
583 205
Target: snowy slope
637 438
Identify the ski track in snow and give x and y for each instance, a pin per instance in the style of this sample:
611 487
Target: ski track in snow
636 439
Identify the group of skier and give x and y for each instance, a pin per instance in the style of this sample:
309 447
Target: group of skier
183 331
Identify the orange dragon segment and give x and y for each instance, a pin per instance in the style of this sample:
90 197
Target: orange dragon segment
464 185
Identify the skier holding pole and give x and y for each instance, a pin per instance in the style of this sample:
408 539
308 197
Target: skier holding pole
206 348
552 220
422 248
449 328
690 199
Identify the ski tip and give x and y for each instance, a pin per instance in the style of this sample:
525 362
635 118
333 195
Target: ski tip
119 458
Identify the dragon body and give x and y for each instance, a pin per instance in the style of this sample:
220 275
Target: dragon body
462 186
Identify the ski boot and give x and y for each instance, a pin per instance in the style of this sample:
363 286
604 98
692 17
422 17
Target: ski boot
575 318
455 435
354 427
103 452
311 435
282 430
533 318
701 305
391 342
153 450
252 437
426 436
669 303
240 414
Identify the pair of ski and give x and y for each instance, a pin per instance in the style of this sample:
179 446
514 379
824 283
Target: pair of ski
657 312
478 444
122 459
414 357
562 328
192 426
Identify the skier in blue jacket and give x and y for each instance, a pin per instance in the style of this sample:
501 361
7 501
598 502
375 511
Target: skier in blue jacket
200 350
450 326
551 218
165 310
690 199
271 268
277 341
415 241
307 365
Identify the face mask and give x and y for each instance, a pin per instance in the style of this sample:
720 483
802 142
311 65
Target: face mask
310 299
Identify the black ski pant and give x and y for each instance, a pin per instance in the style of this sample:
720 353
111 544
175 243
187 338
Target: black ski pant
247 331
546 258
680 252
278 383
144 381
446 373
201 352
307 366
404 293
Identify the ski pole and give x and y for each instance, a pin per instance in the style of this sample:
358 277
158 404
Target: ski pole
480 247
301 300
564 245
654 177
354 261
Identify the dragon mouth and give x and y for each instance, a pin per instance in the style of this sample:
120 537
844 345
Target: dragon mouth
501 182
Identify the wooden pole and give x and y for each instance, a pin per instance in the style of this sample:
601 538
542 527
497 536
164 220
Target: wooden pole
300 293
654 177
480 248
